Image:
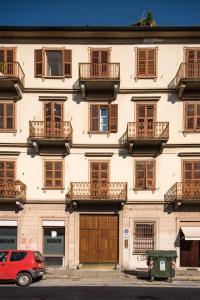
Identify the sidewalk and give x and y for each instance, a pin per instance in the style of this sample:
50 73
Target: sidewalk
115 275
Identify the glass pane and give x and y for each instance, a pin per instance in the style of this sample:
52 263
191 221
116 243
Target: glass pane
190 110
10 165
9 123
9 109
1 110
58 174
1 55
58 165
103 119
48 183
1 123
58 183
48 174
53 63
48 165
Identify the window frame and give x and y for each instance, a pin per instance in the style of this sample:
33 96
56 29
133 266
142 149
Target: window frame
136 187
146 76
185 129
43 62
110 117
138 250
14 169
14 117
183 169
53 187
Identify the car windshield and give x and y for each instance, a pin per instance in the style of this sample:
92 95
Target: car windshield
38 256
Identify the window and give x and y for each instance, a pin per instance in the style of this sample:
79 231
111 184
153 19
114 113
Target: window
192 117
3 256
53 63
16 256
7 55
7 171
145 175
144 237
103 118
7 117
146 62
191 171
53 174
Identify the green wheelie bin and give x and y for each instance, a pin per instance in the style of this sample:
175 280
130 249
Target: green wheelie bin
161 264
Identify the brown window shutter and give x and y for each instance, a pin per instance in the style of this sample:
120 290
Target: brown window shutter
53 174
39 62
113 122
67 63
140 175
94 117
7 171
190 117
150 175
151 62
141 62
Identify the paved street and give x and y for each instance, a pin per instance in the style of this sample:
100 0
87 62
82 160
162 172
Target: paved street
36 292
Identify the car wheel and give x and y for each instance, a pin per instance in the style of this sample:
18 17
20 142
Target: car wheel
24 279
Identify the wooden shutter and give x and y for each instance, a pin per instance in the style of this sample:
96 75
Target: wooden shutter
94 117
146 62
140 175
189 117
150 175
191 171
53 174
39 62
145 175
67 63
113 117
7 171
151 62
141 62
7 116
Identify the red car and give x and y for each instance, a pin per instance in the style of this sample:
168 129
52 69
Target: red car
22 266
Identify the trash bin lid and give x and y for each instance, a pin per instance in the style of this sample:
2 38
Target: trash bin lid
162 253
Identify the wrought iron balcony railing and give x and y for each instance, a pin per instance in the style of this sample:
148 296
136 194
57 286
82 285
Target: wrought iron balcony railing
148 131
50 130
11 70
112 191
13 190
107 71
188 71
183 191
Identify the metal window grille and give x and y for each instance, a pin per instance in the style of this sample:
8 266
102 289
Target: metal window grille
144 237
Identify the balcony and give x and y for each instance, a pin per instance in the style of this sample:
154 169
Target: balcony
99 81
87 192
183 192
12 191
45 135
147 138
188 81
11 80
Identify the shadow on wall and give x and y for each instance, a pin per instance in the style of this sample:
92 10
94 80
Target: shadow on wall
76 96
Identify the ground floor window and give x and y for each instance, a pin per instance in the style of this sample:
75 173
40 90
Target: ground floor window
144 237
8 238
54 246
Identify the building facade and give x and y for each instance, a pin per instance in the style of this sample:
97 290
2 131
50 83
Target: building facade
99 143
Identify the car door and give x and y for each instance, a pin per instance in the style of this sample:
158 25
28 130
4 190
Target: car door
16 263
3 264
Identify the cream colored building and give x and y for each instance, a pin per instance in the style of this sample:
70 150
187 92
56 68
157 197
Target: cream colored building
99 143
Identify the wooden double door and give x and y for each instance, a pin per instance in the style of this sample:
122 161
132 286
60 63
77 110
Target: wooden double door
99 179
53 116
99 59
145 117
98 239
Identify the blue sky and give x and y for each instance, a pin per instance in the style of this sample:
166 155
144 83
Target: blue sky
100 13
